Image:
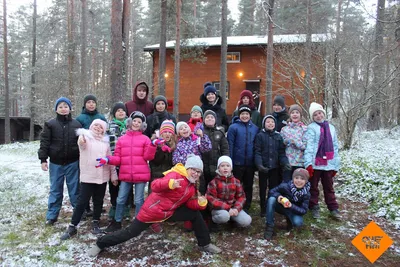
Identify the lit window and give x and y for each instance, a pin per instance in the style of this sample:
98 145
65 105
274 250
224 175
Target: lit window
233 57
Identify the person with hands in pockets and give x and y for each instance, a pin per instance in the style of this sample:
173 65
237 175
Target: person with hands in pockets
173 198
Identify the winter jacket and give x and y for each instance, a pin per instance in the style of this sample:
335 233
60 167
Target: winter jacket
312 136
87 117
270 150
163 201
255 117
300 207
225 193
193 122
142 105
89 152
114 132
190 145
154 121
132 152
241 138
281 119
220 147
222 119
58 141
295 141
162 162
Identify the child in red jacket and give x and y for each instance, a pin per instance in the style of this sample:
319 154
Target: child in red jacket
196 118
174 198
226 197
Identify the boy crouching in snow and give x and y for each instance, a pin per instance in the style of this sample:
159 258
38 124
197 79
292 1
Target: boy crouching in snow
289 199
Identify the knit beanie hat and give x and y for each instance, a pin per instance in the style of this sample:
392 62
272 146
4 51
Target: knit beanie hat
160 98
167 126
194 161
136 114
102 123
247 93
118 105
244 108
315 107
197 108
65 100
301 172
279 100
295 107
210 112
207 84
179 125
89 97
265 118
224 159
210 89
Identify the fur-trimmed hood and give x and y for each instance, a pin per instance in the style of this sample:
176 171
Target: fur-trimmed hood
88 134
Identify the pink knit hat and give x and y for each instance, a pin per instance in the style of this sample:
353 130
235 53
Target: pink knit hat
167 126
102 123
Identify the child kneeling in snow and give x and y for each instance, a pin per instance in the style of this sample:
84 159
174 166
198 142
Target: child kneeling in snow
226 196
174 198
289 199
93 143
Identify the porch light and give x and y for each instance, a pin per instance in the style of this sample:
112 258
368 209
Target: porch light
166 75
240 74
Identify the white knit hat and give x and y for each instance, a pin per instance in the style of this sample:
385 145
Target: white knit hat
315 107
224 159
194 161
179 125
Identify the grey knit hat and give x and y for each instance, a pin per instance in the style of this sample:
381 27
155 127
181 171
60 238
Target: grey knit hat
279 100
194 161
160 98
210 112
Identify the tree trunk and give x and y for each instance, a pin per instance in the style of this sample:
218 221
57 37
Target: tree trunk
177 58
336 66
7 133
374 119
163 50
397 35
33 78
126 16
307 77
270 57
224 52
116 52
83 46
195 14
71 50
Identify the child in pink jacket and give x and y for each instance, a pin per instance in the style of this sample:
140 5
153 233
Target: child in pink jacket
132 152
93 143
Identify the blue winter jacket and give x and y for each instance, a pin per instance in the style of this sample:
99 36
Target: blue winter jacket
241 138
270 150
300 207
87 117
312 136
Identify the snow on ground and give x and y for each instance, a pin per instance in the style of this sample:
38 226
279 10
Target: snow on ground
370 172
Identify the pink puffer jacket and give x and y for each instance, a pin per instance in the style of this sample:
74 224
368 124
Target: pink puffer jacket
132 152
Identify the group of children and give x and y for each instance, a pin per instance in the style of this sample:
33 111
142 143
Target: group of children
200 171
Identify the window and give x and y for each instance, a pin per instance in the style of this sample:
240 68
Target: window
233 57
216 85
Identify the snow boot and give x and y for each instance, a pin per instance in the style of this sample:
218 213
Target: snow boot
210 248
113 226
96 228
269 232
94 251
71 231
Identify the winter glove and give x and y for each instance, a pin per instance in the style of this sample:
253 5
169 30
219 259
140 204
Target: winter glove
310 170
261 168
287 167
158 141
102 162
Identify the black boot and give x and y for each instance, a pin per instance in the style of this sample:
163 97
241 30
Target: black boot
113 226
289 225
71 231
269 232
96 228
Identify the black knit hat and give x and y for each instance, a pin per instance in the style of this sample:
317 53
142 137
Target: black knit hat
160 98
279 100
117 106
89 97
244 108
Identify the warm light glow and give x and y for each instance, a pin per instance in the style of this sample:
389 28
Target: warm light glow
302 73
166 75
240 74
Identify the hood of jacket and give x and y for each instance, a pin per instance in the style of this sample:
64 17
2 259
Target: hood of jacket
134 92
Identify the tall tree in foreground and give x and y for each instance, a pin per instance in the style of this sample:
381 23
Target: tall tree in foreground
71 49
307 77
224 51
162 51
126 16
116 52
83 46
336 66
177 57
7 134
33 77
269 9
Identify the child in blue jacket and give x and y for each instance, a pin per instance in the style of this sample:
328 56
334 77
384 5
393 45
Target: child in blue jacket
289 199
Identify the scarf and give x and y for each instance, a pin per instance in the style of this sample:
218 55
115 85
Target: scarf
325 146
121 125
298 193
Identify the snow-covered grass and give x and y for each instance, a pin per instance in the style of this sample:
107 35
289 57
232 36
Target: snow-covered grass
371 172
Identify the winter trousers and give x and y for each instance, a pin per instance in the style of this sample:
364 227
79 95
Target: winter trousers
88 190
246 176
271 179
59 173
273 206
136 227
327 185
222 216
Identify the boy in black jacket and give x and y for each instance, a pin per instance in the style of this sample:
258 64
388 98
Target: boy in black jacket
289 199
269 156
59 142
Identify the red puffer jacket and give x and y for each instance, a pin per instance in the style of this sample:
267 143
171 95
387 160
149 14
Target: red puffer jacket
131 153
163 201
